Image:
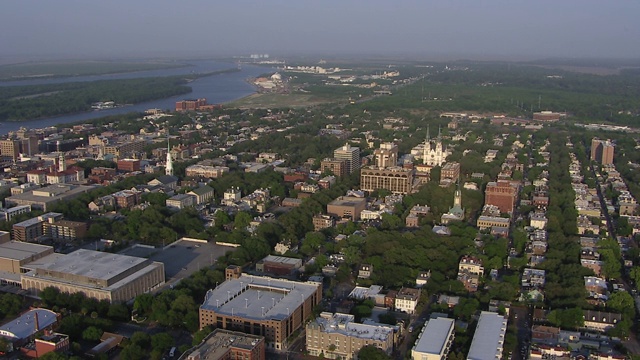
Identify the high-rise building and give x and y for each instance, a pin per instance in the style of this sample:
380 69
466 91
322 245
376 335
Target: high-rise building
386 155
10 148
398 180
602 151
502 194
337 167
351 154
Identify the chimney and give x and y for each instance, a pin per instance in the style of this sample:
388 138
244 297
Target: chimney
37 324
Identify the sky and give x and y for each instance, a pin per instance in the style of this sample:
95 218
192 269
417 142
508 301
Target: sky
420 28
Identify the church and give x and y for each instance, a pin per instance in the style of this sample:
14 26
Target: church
432 152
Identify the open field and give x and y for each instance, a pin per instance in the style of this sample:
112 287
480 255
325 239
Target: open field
279 100
32 70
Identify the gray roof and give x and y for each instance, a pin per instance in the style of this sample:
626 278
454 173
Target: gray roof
94 264
24 326
488 339
345 324
434 337
202 190
259 297
17 250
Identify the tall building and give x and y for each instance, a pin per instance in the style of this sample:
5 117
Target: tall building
273 308
337 167
10 148
602 151
169 166
386 155
349 153
434 153
502 194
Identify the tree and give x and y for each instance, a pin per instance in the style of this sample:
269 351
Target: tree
133 352
92 333
141 339
5 345
118 312
162 342
635 275
622 302
370 352
242 220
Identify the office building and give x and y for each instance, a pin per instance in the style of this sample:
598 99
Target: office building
435 340
99 275
488 340
273 308
339 336
226 345
397 179
351 155
386 155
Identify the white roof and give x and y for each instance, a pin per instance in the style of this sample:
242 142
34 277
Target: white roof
488 340
433 338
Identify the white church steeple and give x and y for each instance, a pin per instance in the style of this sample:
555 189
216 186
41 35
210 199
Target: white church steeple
169 166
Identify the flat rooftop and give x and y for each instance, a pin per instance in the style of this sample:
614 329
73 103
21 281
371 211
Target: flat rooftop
18 250
93 264
434 337
282 260
259 297
347 201
490 332
344 324
219 341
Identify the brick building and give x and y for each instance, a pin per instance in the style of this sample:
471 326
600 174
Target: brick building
502 194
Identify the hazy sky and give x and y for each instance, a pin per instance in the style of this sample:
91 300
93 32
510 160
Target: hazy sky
484 29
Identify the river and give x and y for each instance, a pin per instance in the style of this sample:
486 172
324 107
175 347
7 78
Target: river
216 89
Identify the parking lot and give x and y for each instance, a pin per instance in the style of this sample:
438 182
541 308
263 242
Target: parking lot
182 258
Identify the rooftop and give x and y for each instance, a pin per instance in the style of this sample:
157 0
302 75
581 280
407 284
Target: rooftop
259 297
17 250
434 337
24 326
488 339
344 324
219 341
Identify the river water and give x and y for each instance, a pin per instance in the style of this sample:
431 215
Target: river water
216 89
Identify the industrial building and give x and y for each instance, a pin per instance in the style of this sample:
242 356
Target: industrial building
23 329
273 308
99 275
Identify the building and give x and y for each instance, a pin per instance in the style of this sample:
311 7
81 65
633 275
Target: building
15 255
33 229
278 265
351 154
435 340
181 201
489 222
41 199
533 278
99 275
600 320
9 213
273 308
336 167
456 212
450 172
10 149
422 278
602 151
168 181
224 344
125 149
65 230
386 155
407 300
5 237
206 171
126 199
397 179
24 328
502 194
128 165
547 116
46 343
488 340
231 196
334 336
434 153
194 105
470 270
365 271
347 207
323 221
203 194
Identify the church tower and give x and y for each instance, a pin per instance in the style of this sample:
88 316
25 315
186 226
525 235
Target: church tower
169 166
457 197
427 147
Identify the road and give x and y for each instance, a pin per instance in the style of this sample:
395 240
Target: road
520 317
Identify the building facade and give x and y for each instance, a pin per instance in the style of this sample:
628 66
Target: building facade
398 180
351 154
501 194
